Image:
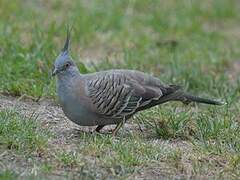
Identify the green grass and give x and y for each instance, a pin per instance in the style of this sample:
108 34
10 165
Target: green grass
67 158
21 133
7 175
190 43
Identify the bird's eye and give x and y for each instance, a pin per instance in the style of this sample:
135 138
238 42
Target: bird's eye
67 65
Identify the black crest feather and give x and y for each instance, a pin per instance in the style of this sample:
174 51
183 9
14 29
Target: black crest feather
67 42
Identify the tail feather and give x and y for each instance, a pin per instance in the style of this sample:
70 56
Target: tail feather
187 98
177 94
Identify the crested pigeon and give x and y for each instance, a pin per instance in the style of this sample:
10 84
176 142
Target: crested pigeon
113 96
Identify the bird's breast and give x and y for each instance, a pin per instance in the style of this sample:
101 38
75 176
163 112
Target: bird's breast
74 107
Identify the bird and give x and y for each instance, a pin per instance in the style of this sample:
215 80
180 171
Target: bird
111 97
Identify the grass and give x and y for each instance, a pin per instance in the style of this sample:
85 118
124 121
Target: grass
21 133
7 175
191 43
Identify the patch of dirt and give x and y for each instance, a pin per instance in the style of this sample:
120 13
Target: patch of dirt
233 71
228 29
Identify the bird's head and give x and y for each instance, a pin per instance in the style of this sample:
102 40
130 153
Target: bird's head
64 64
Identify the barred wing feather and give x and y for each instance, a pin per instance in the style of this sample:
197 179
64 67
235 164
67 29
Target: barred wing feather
117 95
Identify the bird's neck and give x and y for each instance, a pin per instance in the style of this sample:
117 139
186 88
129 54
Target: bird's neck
65 84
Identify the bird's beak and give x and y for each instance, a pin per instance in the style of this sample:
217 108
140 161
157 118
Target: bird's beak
55 71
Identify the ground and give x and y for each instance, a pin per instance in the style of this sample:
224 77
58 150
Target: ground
194 44
62 149
70 140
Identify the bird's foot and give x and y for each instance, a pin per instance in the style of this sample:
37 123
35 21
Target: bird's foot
112 131
98 128
105 132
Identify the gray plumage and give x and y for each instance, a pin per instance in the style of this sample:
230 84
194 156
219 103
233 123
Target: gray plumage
109 97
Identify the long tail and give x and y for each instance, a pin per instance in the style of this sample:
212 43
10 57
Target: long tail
177 94
187 98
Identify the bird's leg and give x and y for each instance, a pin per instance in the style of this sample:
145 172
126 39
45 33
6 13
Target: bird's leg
98 128
119 125
116 129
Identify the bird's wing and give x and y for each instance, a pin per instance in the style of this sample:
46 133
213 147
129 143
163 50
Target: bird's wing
121 94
